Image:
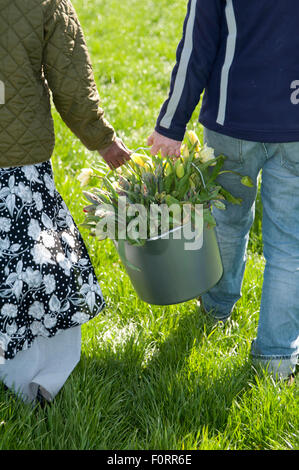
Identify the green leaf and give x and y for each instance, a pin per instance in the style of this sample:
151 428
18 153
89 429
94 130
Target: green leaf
171 200
88 225
183 186
219 205
216 169
247 181
208 218
230 198
91 197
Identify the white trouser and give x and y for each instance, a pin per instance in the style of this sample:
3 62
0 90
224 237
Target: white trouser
48 363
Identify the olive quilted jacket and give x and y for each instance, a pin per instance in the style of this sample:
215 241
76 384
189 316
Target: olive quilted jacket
42 48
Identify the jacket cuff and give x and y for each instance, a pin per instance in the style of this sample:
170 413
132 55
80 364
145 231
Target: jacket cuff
107 144
175 134
102 136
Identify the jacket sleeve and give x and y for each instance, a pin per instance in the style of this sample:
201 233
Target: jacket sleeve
68 70
196 53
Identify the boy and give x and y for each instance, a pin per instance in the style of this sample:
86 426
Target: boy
244 54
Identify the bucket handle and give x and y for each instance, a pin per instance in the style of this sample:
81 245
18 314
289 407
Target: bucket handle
140 148
201 175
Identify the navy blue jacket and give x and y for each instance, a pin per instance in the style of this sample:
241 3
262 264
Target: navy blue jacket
245 55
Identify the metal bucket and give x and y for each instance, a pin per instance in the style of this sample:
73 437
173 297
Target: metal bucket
168 274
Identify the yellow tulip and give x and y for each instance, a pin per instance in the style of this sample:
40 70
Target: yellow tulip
147 167
207 154
167 169
193 139
185 151
140 159
179 169
84 176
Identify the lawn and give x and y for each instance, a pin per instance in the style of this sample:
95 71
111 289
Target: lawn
151 377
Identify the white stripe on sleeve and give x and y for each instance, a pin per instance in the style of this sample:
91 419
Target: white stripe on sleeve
182 70
229 57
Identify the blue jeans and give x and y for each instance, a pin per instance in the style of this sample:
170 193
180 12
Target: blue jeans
276 345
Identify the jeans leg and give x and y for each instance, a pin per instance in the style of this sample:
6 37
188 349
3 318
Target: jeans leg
277 343
234 223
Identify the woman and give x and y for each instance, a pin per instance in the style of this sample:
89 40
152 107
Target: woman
48 287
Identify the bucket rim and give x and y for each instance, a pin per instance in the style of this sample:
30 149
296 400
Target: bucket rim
158 237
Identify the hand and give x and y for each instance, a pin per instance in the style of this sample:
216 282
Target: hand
168 147
116 155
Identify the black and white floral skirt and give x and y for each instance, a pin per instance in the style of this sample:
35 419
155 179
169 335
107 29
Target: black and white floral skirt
47 281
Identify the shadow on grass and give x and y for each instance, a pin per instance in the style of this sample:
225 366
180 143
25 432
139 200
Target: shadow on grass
180 392
116 400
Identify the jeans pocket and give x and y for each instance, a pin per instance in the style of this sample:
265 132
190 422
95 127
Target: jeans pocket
230 147
290 156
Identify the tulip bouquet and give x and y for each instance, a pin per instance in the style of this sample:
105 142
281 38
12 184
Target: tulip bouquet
147 181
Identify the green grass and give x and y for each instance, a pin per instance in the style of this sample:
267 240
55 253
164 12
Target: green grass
151 377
